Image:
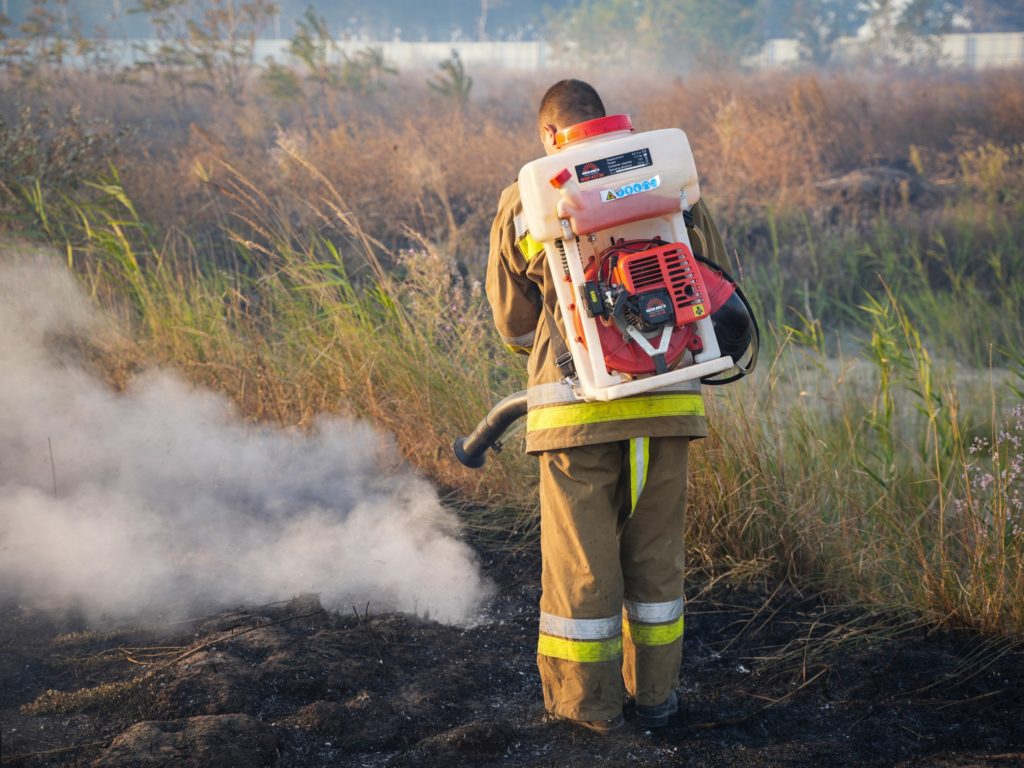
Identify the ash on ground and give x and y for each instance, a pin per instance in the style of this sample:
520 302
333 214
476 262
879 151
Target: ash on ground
770 677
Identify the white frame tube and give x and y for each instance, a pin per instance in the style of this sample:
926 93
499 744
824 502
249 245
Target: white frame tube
595 383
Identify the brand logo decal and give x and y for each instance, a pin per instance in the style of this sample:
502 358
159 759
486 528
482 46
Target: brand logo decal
617 193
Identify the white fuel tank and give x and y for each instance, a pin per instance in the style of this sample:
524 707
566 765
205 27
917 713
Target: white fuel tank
615 176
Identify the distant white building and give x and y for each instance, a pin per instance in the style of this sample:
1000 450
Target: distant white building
778 52
971 51
517 56
962 50
998 49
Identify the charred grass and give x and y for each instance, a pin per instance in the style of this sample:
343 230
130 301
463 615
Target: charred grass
770 676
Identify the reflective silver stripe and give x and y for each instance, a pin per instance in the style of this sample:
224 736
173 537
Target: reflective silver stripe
559 392
526 340
519 220
637 464
580 629
638 449
683 386
550 394
654 613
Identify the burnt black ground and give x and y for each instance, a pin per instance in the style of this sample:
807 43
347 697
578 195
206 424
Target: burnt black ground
770 678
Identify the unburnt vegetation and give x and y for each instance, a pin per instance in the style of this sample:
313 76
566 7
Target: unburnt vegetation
311 238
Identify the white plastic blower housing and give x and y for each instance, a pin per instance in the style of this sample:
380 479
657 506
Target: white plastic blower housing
604 185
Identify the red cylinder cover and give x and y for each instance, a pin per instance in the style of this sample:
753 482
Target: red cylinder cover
697 290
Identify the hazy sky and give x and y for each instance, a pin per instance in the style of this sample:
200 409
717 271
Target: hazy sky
437 20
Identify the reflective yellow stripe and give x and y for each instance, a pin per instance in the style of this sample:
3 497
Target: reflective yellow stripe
580 650
529 247
578 414
655 634
639 453
518 350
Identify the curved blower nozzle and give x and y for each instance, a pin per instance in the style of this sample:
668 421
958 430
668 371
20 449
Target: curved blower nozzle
472 449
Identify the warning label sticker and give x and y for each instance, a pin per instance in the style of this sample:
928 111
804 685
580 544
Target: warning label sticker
612 194
609 166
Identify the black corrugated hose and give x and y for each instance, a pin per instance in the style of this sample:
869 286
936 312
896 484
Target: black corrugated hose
471 450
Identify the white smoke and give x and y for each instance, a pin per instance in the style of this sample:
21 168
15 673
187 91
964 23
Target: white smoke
160 500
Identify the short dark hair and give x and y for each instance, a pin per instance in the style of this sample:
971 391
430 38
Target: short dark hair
568 102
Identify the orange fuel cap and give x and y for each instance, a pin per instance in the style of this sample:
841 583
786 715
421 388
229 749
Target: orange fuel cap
591 128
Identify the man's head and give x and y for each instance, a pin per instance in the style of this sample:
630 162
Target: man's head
566 103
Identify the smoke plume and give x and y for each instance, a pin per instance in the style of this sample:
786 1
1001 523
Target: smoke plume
159 500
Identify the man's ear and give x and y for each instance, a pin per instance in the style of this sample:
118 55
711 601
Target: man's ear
547 136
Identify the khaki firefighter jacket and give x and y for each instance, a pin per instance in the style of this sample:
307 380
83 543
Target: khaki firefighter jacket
519 287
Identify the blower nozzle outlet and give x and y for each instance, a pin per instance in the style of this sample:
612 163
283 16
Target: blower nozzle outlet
472 449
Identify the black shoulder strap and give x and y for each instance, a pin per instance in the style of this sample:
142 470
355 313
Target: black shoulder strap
563 357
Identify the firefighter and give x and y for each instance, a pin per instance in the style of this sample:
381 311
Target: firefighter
612 484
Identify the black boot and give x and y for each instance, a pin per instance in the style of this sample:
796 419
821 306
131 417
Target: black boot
657 716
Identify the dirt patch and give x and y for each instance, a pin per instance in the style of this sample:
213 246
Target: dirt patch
769 678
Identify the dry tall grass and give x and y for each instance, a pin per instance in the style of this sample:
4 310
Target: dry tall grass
782 158
308 257
406 158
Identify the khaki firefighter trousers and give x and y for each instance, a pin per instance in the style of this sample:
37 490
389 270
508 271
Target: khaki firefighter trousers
612 579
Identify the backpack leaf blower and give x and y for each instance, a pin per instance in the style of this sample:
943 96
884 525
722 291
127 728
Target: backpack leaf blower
612 209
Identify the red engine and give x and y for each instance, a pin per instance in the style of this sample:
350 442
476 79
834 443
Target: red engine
643 287
670 267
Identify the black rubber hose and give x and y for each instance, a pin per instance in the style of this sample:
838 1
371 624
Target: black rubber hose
471 450
736 372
